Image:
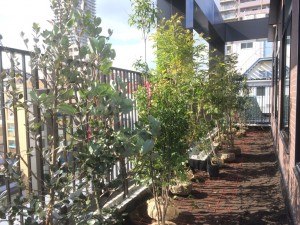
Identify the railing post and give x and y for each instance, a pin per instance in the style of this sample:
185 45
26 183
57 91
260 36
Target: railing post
124 177
38 144
29 172
3 112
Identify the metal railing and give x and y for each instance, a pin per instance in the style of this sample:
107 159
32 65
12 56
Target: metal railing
17 120
258 106
257 112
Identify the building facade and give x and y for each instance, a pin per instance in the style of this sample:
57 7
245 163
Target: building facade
253 55
281 28
251 50
284 32
259 81
233 10
87 5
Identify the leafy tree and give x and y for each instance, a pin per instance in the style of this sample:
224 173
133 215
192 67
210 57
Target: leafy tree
72 99
224 90
169 100
144 17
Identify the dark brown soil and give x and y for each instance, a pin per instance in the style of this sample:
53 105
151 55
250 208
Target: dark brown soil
247 191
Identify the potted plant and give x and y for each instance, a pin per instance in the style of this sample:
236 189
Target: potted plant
165 101
182 186
198 154
213 166
228 87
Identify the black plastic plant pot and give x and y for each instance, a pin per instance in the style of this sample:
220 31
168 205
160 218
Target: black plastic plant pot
196 164
213 170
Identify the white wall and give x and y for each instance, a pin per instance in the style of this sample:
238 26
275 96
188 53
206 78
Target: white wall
247 56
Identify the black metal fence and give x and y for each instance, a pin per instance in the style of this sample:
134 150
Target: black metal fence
15 135
258 106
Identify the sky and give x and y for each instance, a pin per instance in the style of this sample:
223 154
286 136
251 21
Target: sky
18 15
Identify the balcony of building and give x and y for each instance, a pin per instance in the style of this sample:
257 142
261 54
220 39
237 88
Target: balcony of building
255 3
228 7
223 1
247 189
15 135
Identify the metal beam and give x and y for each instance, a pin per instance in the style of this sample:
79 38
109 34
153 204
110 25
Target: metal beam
246 29
204 17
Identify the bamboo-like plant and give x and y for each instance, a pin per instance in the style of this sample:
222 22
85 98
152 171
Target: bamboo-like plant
168 99
224 90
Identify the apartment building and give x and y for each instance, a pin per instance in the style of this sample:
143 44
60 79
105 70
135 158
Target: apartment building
251 50
254 56
87 5
233 10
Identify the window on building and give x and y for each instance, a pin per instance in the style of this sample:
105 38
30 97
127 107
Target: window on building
246 45
12 144
276 74
268 48
228 49
260 91
285 74
243 1
11 129
265 74
275 85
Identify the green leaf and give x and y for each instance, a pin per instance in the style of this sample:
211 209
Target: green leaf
147 146
83 51
65 41
65 108
70 23
75 194
34 97
112 53
127 105
92 222
36 27
105 67
93 44
92 148
155 126
98 30
97 21
68 94
101 43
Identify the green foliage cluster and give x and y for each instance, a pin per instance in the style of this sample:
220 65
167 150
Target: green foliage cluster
169 98
144 17
71 97
225 88
189 99
183 100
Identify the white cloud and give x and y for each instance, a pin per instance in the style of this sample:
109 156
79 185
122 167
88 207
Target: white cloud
126 40
19 15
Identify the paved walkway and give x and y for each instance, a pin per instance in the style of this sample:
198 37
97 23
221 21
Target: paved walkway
246 192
